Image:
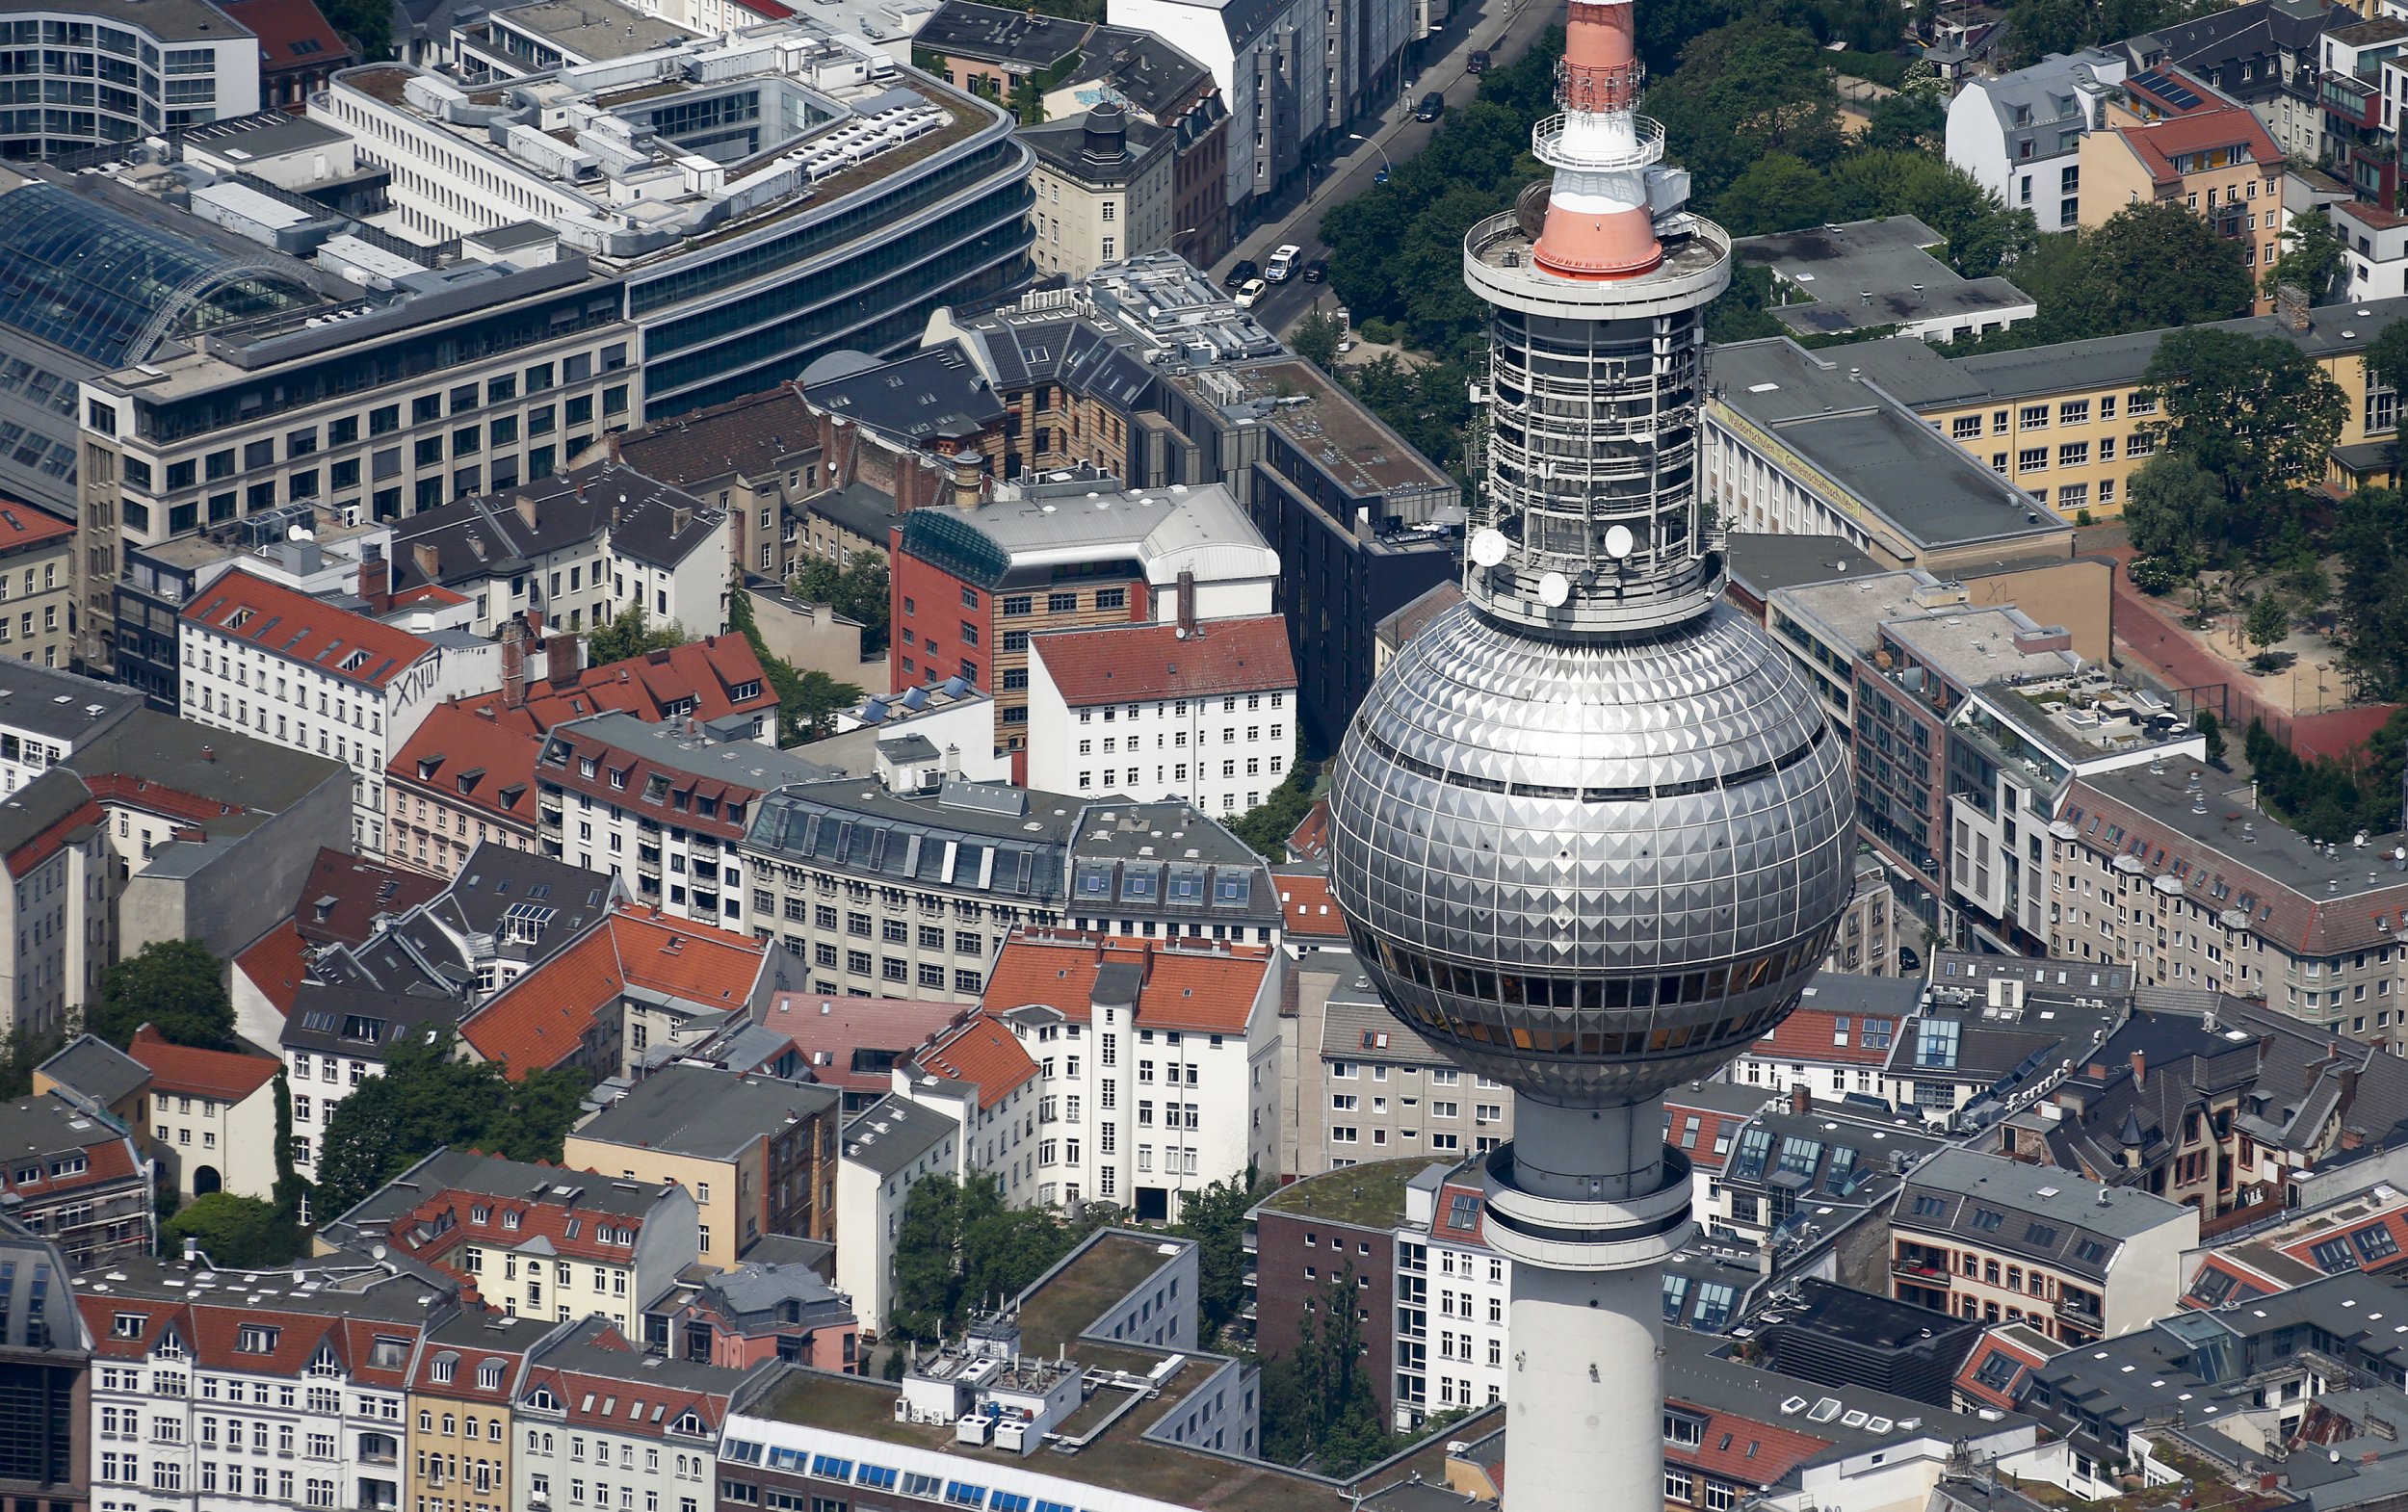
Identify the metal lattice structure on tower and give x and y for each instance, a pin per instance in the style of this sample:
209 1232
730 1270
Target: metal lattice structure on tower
1589 830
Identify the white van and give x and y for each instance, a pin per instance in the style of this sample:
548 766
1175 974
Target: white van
1283 263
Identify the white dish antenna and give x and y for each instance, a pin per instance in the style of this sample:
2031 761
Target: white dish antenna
1618 543
1554 589
1488 547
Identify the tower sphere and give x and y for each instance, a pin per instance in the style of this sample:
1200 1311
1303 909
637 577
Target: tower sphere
1591 867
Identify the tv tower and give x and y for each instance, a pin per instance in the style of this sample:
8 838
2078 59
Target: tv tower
1591 831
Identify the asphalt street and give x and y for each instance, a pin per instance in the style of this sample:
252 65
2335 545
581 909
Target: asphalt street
1505 28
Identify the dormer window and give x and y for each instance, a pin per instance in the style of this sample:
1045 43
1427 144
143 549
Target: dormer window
689 1423
353 662
489 1376
444 1367
584 765
481 1214
128 1325
510 1220
256 1339
541 1399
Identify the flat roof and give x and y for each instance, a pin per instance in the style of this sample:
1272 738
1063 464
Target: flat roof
60 705
168 20
599 29
1867 273
1068 1301
700 1110
1370 1196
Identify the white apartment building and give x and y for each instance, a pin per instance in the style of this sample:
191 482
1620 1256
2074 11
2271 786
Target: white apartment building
654 1445
2374 261
262 658
1458 1286
2019 134
153 70
45 715
890 1147
1202 712
1158 1067
213 1389
55 933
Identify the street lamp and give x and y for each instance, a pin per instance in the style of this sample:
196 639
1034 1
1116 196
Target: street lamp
1356 136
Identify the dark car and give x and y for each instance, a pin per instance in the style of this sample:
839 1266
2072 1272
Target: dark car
1433 105
1316 271
1908 960
1244 272
1478 63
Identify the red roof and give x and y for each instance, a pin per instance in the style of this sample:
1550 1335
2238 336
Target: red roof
428 594
346 893
543 1018
1113 664
1757 1455
628 1404
1814 1034
827 1030
22 525
2159 145
53 838
1210 988
228 1076
2012 1341
472 756
292 33
1311 912
1709 1147
447 1220
1442 1224
276 963
720 675
302 630
1309 841
980 1051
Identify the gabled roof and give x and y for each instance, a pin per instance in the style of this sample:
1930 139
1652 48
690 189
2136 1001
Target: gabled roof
43 818
1312 913
474 756
2157 146
982 1052
2018 1349
745 438
345 894
852 1042
1114 663
1207 987
292 33
304 630
96 1069
892 1133
22 525
227 1076
542 1019
601 1383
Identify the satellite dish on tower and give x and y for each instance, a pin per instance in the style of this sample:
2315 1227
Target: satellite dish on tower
1554 589
1618 543
1488 547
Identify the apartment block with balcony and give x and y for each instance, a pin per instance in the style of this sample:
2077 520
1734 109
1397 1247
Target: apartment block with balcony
1991 1238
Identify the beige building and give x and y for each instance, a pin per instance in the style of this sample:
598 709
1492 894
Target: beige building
212 1116
756 1154
1867 944
37 586
2193 886
2169 139
1103 190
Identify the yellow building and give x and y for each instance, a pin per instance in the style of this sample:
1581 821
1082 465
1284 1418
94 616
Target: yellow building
465 1376
2170 139
2069 425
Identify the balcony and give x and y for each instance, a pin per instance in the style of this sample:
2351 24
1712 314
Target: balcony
1919 1273
2082 1313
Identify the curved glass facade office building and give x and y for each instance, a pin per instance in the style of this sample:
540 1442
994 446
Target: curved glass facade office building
82 73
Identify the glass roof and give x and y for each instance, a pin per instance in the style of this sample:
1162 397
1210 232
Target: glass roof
103 285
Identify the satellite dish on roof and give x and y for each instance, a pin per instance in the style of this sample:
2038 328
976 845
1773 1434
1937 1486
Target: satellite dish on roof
1619 541
1488 547
1555 589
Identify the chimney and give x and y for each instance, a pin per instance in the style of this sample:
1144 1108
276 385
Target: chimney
968 465
678 520
2140 1070
1186 601
560 658
515 663
527 510
2290 306
2353 1138
209 753
375 580
1802 1099
428 561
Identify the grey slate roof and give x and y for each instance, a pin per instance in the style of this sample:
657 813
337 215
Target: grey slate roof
857 827
2050 1215
892 1133
59 705
450 1169
221 766
932 394
47 800
705 1112
95 1068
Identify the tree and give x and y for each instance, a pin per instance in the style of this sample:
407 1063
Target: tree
243 1233
428 1099
1912 120
2173 513
1743 311
1266 827
2370 535
813 703
1317 1402
2386 358
176 987
960 1247
1214 1218
2149 266
1741 91
2267 624
1778 191
2210 735
2309 258
857 591
1316 339
2256 412
629 636
2328 799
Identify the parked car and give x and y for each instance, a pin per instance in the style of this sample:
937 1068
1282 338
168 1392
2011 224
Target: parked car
1246 271
1381 176
1478 63
1433 105
1908 960
1316 271
1283 263
1253 290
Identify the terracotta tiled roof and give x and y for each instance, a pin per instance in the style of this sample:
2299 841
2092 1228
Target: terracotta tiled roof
2000 1340
1210 988
829 1029
446 1220
541 1020
712 671
292 33
983 1052
1717 1128
1759 1455
302 630
1812 1035
224 1075
360 889
158 1315
1309 841
747 437
22 525
216 1332
359 1349
275 963
2157 146
1311 911
471 757
53 838
628 1404
1113 664
1442 1220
